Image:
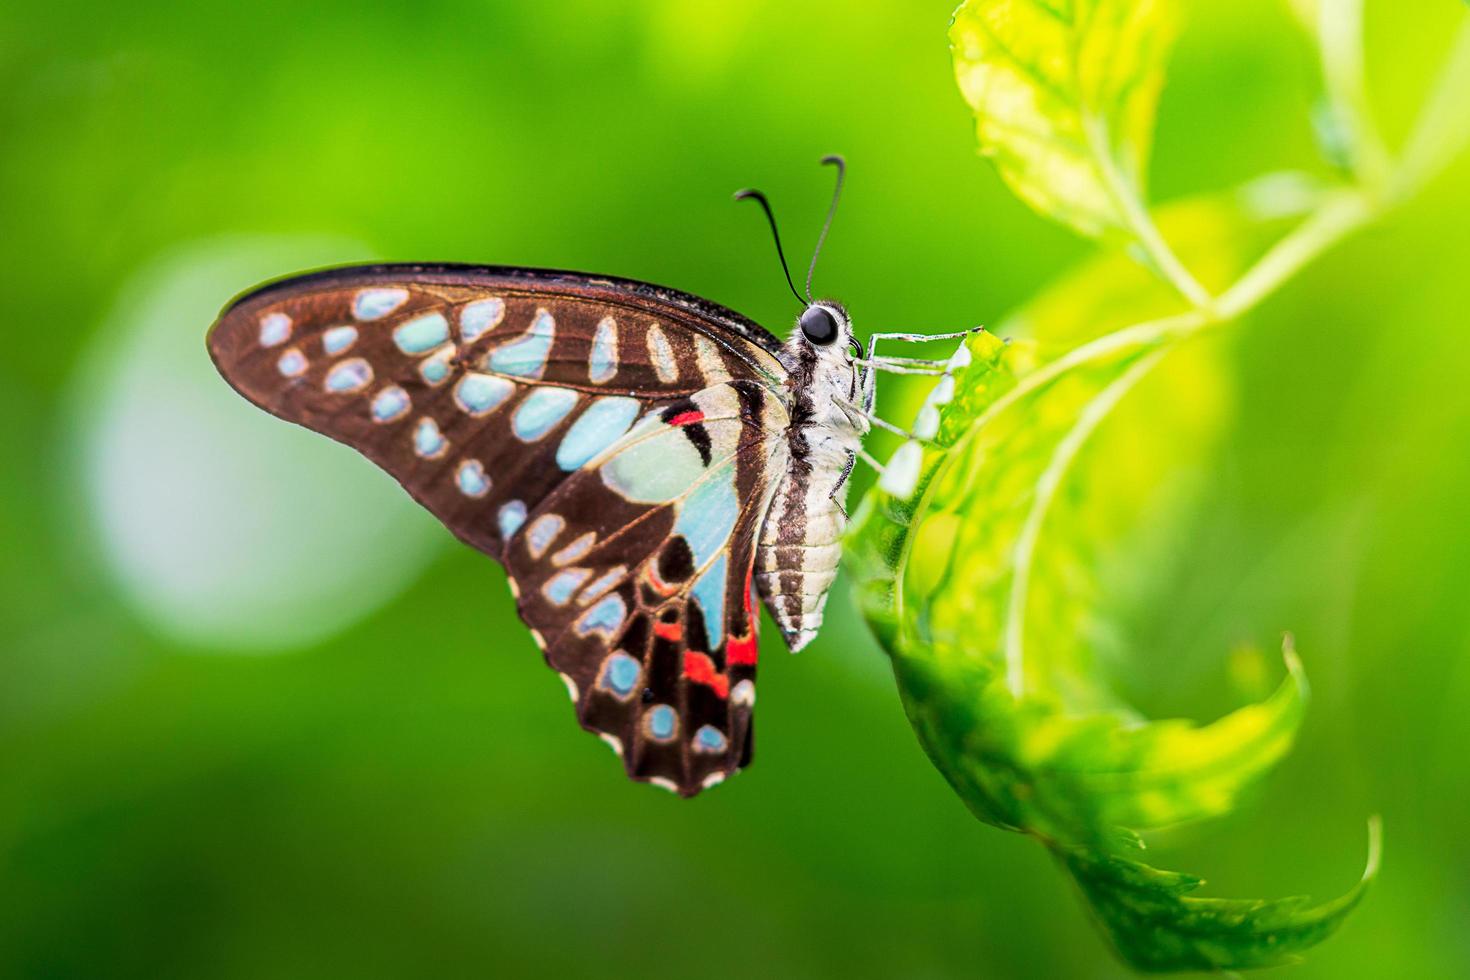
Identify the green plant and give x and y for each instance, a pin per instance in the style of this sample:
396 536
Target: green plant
976 573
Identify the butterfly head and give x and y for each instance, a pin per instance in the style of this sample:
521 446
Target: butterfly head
822 351
824 335
825 324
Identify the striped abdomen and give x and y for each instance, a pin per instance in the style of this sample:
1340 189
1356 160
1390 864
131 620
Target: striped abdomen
799 551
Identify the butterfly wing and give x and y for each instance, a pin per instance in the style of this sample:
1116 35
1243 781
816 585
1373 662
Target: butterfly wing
646 609
422 367
504 398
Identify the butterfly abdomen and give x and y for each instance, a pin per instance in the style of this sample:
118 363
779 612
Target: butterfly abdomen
797 560
800 544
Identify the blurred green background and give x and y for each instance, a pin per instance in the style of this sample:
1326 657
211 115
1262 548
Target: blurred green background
261 718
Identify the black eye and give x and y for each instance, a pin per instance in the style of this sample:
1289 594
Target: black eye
818 326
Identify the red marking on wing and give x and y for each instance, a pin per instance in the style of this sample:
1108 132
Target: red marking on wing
669 631
687 418
700 669
742 649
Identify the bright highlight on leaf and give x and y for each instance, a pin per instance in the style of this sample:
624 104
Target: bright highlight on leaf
1064 93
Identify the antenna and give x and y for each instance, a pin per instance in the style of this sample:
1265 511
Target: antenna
771 217
841 166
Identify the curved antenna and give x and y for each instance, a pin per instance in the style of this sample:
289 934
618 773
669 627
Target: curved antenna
771 217
841 166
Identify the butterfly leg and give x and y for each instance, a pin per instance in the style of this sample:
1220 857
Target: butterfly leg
869 388
866 414
909 365
870 363
841 480
919 337
881 361
903 365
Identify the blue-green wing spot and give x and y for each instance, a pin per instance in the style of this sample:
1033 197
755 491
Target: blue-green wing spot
662 722
479 317
526 356
349 376
710 739
601 424
374 303
541 410
619 675
422 334
602 366
480 394
561 587
338 339
471 478
511 516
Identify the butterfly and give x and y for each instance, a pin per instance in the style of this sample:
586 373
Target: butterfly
645 464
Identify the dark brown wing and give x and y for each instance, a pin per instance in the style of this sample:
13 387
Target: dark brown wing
391 359
646 608
499 397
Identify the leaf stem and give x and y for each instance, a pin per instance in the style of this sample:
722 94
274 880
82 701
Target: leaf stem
1338 215
1140 223
1340 38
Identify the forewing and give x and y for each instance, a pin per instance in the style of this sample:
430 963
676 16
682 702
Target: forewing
472 386
636 576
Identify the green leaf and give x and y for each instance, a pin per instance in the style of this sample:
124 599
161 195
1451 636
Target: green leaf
933 582
945 579
1156 925
1064 94
1024 765
987 620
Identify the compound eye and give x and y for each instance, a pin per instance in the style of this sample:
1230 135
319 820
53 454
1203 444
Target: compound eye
818 326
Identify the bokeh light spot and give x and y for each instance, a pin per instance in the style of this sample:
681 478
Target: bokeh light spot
226 528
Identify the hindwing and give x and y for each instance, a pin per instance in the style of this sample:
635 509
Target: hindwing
513 402
635 575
